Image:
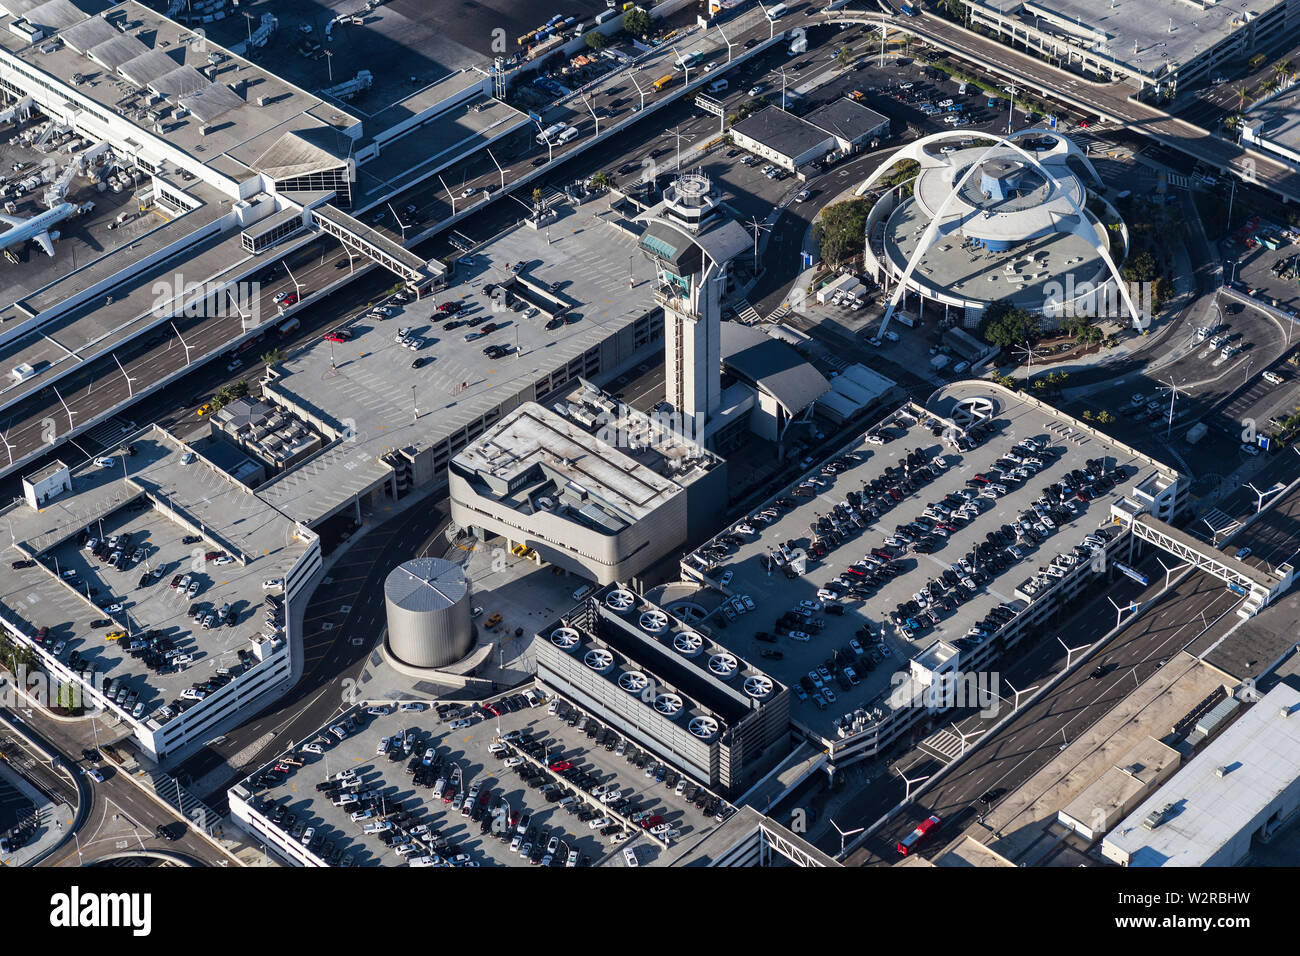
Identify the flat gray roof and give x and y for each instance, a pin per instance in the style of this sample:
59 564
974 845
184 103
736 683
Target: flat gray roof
1278 120
1261 750
773 365
1118 28
375 389
781 131
846 119
229 146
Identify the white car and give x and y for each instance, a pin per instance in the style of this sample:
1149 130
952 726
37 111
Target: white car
224 559
598 822
756 89
611 796
380 711
1248 449
95 775
272 584
513 761
314 748
105 462
802 195
468 191
629 855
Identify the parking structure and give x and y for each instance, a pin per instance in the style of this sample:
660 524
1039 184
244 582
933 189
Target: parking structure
928 545
515 780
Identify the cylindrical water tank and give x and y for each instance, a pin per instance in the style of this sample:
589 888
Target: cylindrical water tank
428 602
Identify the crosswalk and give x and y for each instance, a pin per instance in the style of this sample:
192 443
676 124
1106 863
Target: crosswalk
110 432
747 313
1176 179
943 744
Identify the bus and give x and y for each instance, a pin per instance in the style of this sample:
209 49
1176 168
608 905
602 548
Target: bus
289 326
688 60
776 12
549 134
663 82
913 840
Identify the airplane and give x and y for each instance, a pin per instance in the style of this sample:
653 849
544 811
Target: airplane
37 227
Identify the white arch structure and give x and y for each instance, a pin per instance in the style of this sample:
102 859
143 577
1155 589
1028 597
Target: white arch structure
916 149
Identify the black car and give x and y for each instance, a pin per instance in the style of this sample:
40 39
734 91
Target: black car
165 832
1101 670
417 363
539 161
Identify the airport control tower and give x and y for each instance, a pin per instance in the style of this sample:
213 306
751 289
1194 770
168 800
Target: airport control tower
692 243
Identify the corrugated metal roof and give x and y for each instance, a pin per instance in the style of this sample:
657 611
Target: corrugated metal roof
55 15
426 584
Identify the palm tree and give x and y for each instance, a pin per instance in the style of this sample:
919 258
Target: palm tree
844 58
273 356
1242 90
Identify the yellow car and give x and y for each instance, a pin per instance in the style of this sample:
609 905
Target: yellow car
493 621
205 409
114 635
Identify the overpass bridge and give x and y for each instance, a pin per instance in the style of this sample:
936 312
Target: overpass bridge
357 237
1258 586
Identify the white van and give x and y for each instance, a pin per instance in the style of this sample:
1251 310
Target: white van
718 86
583 591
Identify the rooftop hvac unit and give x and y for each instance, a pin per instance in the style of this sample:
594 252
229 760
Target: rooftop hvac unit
688 643
758 686
620 600
546 504
599 659
564 638
722 665
263 100
654 621
634 682
704 727
670 705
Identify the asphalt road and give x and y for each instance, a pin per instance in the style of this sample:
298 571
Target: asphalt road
332 663
117 817
1038 732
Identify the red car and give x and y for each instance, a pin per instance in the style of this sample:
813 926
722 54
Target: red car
338 336
653 821
290 299
561 765
213 555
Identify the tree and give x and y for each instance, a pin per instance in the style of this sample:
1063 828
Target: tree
844 58
1006 325
638 23
602 179
840 230
1105 418
273 356
537 197
596 40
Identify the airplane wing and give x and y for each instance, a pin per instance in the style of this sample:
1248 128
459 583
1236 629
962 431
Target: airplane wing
44 239
10 220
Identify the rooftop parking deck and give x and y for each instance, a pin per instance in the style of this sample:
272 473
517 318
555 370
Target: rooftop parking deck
884 645
462 759
160 502
368 384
